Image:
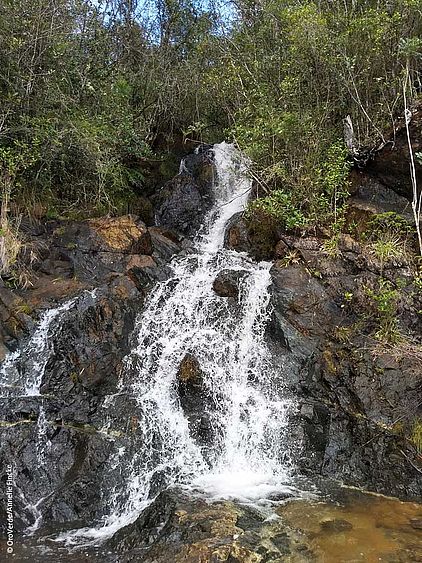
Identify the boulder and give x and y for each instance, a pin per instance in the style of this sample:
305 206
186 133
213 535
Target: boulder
226 284
189 373
179 528
236 237
195 400
183 201
257 235
181 207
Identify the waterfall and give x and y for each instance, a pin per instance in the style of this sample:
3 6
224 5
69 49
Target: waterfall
242 397
22 371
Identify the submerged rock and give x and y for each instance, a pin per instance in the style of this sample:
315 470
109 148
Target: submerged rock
337 525
178 527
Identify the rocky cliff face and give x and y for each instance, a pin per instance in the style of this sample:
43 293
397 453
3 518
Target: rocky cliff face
360 389
359 402
120 259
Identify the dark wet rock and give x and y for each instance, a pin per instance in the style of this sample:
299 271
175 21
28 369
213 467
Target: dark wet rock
144 209
281 250
183 201
69 492
226 284
97 247
166 244
189 373
195 400
350 395
255 235
236 237
390 165
179 528
200 166
182 206
122 259
92 341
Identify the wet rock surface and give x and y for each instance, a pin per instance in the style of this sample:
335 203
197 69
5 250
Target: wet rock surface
353 392
357 402
120 259
226 284
255 235
195 400
342 525
183 201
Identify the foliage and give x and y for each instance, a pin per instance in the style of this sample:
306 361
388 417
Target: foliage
94 94
389 221
384 299
387 237
416 436
85 94
279 205
292 71
388 247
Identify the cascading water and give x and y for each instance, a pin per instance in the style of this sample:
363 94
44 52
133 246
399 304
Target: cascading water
22 371
243 451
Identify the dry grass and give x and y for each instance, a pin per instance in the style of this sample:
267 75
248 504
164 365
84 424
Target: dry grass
389 248
10 243
13 246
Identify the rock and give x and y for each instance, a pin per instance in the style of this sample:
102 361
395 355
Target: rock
144 210
256 235
165 244
226 284
390 165
416 523
372 198
126 234
347 243
183 201
182 529
123 260
90 250
196 402
336 526
181 206
189 371
200 165
281 250
350 396
236 237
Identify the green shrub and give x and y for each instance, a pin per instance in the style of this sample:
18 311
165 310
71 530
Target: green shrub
279 206
384 300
